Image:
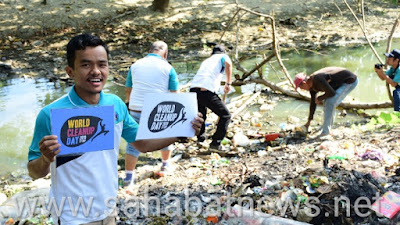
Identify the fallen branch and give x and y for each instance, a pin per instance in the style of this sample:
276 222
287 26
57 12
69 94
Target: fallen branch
242 107
257 67
274 42
344 105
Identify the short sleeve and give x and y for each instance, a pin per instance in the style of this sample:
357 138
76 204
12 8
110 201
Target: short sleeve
42 128
128 82
397 76
173 83
130 127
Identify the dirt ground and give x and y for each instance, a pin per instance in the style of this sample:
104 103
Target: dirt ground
32 40
33 34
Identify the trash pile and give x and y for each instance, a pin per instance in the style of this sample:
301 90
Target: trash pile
266 177
282 177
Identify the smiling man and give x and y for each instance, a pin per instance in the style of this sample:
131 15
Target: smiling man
90 178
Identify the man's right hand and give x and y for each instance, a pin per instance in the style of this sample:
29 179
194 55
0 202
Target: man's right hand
227 88
307 125
380 73
49 147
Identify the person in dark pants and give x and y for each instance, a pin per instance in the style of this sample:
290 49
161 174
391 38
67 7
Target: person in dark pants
206 83
392 75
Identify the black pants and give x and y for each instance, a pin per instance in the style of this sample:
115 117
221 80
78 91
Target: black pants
208 99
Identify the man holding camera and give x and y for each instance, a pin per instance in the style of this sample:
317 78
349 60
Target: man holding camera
392 76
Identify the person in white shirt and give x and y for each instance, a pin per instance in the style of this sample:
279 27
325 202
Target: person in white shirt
150 74
206 84
91 177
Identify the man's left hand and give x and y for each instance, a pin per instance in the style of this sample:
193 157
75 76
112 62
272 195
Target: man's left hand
197 123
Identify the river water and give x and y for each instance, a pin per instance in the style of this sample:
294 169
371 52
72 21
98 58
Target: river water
21 99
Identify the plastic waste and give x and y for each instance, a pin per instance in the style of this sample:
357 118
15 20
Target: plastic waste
310 190
212 219
216 181
239 139
373 154
301 198
272 136
309 149
262 153
9 221
159 174
283 126
240 215
339 157
387 205
225 141
120 182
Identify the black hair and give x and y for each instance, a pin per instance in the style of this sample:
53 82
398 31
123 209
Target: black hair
80 42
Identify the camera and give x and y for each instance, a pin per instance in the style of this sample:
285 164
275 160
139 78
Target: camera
378 66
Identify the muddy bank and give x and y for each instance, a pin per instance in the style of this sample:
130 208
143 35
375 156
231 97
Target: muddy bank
360 160
33 40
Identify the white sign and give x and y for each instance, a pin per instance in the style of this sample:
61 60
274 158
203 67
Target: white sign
167 115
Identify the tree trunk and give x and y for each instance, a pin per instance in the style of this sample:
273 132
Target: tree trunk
160 5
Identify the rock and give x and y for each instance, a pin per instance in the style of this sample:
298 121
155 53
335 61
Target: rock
36 197
304 215
37 43
8 212
41 183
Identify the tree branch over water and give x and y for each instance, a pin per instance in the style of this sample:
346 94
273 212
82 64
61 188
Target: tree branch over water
245 77
389 92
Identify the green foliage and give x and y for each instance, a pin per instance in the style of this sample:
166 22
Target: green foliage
396 2
40 220
386 118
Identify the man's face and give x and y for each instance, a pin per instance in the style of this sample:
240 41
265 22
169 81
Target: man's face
305 85
391 61
90 73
